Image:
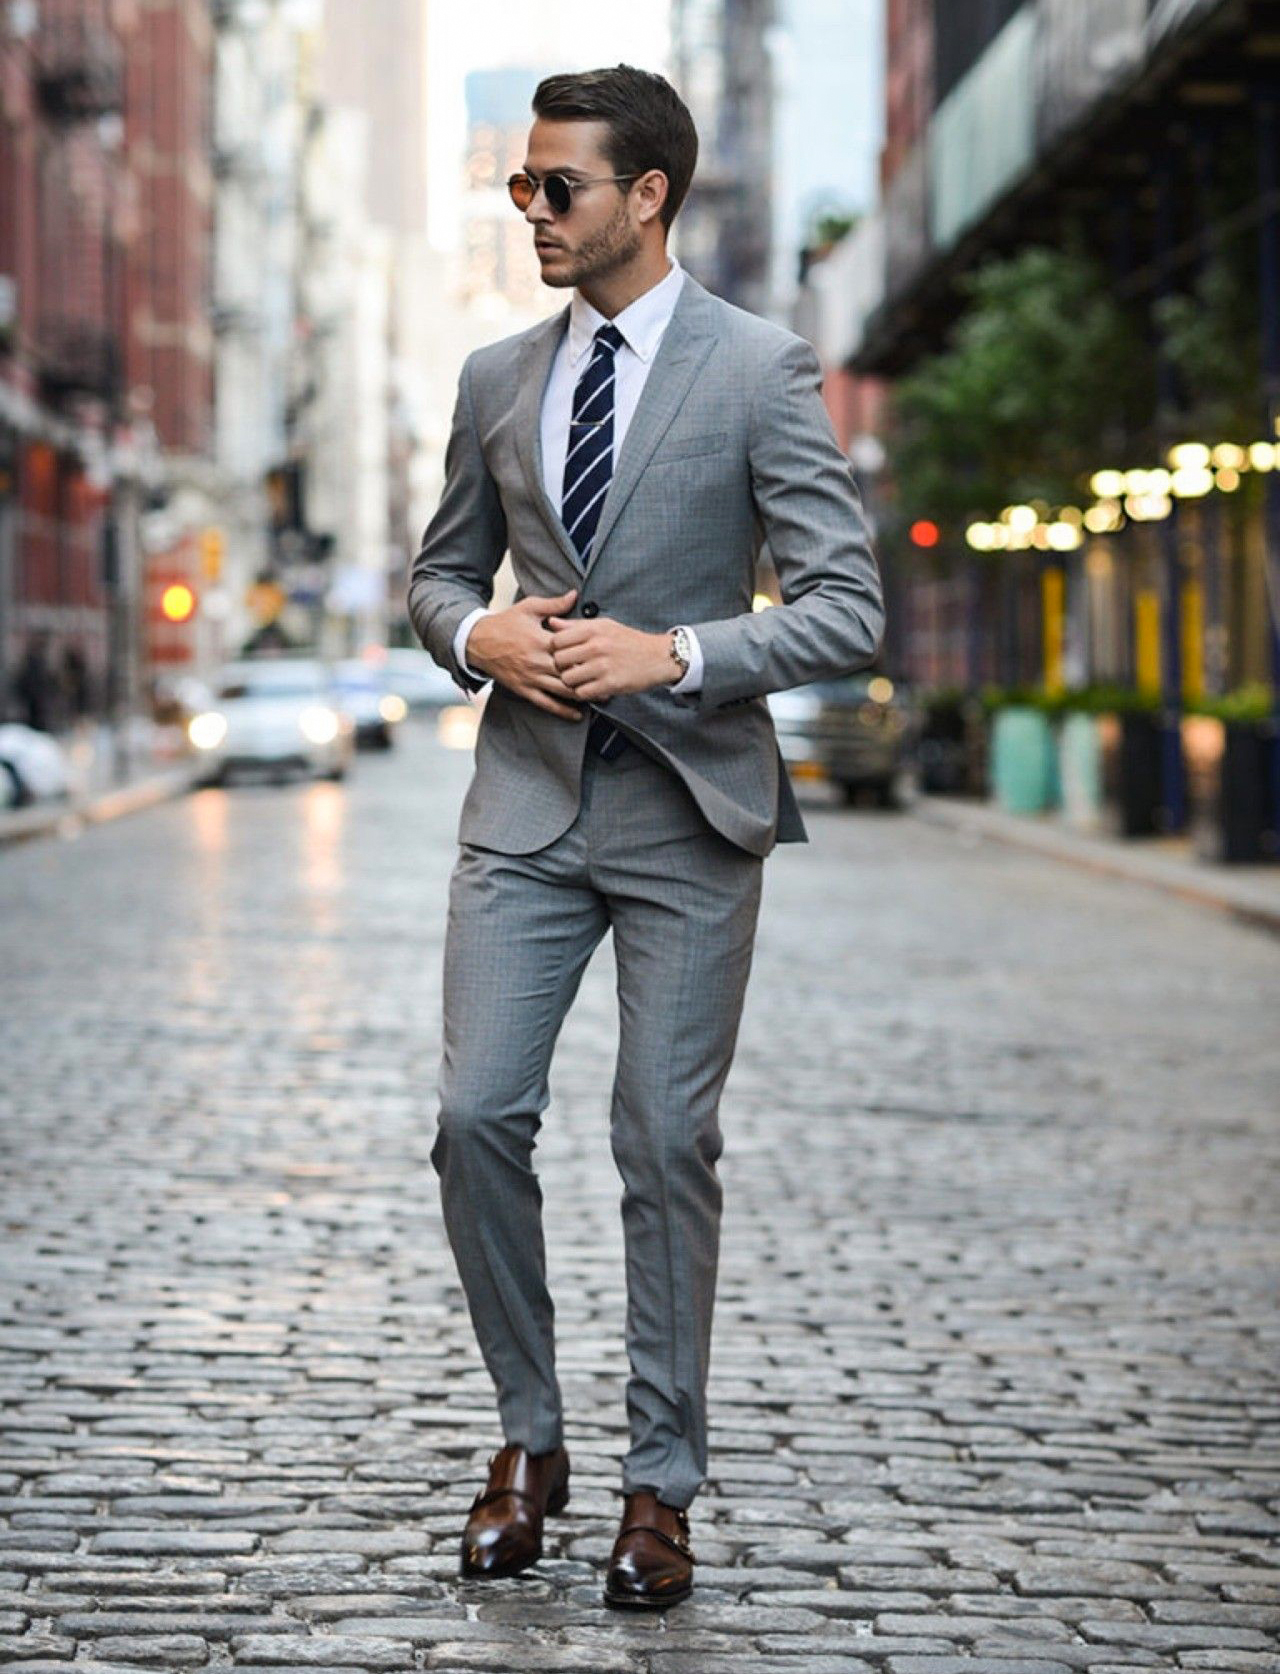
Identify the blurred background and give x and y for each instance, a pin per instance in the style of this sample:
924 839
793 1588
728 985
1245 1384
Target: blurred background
245 246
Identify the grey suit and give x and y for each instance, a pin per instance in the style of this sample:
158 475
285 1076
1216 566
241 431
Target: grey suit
730 444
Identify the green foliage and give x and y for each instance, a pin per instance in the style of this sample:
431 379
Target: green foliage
829 222
1043 375
1212 336
1098 699
1250 702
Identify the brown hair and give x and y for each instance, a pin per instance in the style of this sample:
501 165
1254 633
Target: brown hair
649 123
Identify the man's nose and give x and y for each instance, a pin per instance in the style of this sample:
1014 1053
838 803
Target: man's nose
538 213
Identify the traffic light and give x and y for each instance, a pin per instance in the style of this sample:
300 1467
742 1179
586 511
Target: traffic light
212 547
177 602
172 606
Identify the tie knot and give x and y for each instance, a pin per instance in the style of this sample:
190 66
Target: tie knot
610 337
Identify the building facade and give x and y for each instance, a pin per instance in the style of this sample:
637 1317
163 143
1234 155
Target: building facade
723 70
1143 133
106 352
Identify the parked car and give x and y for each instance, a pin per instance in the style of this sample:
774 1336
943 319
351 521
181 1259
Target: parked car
278 713
417 678
376 711
32 766
859 733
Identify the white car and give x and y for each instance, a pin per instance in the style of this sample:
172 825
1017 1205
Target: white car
277 713
32 766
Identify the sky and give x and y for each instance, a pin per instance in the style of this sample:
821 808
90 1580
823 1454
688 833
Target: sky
827 60
828 64
468 35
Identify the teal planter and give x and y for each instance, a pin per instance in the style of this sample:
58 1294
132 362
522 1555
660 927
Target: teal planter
1024 769
1080 771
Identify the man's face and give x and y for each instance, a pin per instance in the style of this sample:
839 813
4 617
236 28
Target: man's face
600 233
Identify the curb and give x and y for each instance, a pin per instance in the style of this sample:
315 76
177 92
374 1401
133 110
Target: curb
1252 903
68 819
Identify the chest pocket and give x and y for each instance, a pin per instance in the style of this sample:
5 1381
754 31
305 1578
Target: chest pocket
689 447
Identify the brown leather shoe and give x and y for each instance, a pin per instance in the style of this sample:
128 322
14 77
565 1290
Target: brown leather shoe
652 1562
504 1530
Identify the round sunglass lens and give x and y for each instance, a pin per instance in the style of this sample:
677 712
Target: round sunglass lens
559 196
521 190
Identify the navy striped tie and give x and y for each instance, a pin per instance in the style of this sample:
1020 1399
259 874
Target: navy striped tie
588 463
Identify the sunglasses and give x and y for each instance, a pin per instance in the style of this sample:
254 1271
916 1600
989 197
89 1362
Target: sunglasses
557 188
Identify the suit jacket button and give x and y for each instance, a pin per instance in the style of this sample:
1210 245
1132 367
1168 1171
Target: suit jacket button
591 608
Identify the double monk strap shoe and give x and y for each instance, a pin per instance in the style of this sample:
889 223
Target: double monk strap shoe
503 1534
652 1562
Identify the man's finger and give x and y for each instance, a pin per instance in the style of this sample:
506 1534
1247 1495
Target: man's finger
565 656
598 686
583 673
551 682
547 607
571 633
545 604
568 711
545 664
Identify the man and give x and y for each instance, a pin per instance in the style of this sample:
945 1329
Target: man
630 452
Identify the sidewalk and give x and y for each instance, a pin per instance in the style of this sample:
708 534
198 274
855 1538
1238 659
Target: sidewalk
155 773
1251 893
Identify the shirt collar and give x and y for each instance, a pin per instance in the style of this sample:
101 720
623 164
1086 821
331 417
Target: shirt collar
641 322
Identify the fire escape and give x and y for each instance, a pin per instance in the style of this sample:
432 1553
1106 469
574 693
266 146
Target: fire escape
80 81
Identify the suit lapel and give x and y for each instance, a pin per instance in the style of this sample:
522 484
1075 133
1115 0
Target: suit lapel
536 354
685 344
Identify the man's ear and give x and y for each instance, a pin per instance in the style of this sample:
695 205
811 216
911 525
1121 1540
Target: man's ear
653 193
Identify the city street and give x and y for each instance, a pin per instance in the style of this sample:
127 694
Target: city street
994 1378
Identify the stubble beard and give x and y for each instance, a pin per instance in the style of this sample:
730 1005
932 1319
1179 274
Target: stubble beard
616 244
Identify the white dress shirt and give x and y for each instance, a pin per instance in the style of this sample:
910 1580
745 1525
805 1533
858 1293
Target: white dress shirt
642 324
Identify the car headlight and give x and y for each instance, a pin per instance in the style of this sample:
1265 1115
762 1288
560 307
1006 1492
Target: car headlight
392 707
319 725
207 730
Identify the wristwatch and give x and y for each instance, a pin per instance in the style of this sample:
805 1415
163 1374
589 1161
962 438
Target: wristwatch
681 651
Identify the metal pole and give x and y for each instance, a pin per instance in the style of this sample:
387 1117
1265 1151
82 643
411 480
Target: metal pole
1267 108
1173 791
1211 505
8 536
974 622
119 682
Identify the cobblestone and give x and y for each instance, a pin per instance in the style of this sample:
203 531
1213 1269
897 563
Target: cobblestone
994 1374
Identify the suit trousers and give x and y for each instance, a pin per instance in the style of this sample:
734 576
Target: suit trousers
682 902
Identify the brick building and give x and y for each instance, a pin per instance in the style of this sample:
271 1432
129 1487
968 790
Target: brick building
105 353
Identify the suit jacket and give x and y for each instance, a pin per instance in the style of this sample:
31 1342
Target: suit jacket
729 446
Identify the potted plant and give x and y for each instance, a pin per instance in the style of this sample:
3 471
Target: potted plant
1023 757
952 743
1230 744
1080 762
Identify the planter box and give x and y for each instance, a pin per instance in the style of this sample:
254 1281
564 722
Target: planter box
1024 760
953 752
1234 818
1131 773
1080 771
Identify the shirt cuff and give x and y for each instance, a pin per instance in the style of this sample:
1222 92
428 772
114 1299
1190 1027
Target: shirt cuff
691 680
460 641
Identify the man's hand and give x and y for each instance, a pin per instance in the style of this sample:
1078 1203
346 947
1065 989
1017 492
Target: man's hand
603 658
514 647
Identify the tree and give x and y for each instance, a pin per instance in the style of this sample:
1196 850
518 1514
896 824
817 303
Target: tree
1044 378
1213 338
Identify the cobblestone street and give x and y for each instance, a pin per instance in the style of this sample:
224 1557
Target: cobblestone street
995 1372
